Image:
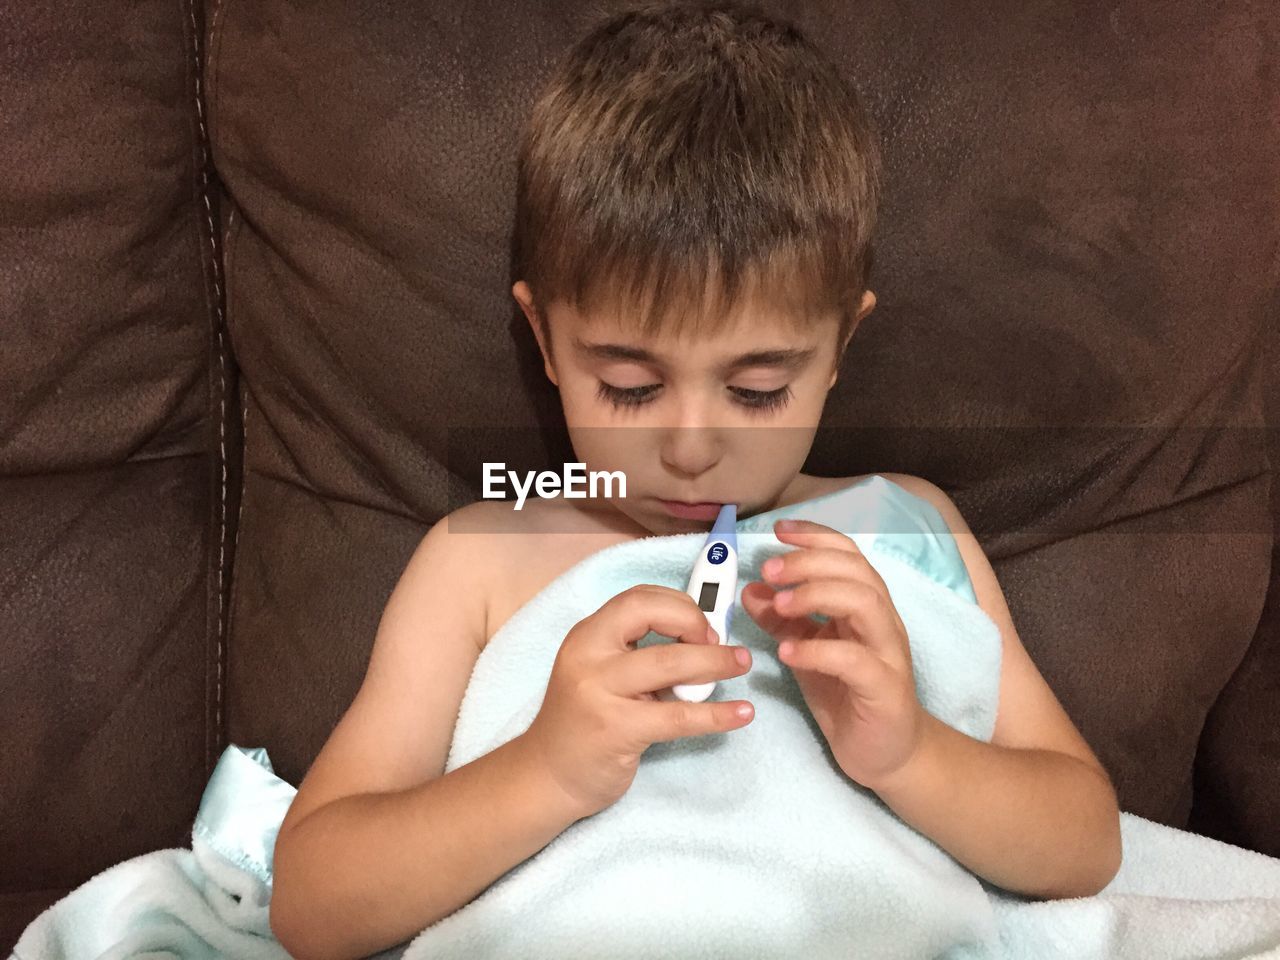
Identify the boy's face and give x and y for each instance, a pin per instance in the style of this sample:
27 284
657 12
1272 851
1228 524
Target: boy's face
727 418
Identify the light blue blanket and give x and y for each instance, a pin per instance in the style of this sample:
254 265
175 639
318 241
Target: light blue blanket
748 843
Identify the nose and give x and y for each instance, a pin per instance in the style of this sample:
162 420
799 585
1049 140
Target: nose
690 447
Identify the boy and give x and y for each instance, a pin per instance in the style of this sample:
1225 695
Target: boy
696 194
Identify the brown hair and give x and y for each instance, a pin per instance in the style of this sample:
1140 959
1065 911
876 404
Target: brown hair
685 155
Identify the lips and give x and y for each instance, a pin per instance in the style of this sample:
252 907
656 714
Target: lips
686 510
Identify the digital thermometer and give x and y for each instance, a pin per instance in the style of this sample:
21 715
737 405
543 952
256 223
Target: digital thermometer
713 586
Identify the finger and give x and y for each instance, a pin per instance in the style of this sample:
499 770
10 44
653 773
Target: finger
813 563
661 721
757 600
853 664
807 533
663 665
849 604
810 533
647 606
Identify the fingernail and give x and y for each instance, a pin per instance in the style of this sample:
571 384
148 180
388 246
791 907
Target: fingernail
744 710
771 567
783 598
742 656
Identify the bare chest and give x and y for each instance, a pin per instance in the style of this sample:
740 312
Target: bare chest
530 561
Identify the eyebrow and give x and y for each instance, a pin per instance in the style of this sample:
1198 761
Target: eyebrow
790 358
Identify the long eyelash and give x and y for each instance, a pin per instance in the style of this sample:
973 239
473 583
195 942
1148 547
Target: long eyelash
764 400
625 396
758 401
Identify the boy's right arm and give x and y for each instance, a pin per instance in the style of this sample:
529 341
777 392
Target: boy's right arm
379 843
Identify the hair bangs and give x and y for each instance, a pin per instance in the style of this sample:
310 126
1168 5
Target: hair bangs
655 294
688 161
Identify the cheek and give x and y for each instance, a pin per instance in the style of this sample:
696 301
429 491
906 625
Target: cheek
785 444
579 401
612 449
806 404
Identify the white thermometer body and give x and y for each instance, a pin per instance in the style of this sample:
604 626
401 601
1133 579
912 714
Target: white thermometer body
714 586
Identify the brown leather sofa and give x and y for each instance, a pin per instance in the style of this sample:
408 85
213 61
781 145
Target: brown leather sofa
257 320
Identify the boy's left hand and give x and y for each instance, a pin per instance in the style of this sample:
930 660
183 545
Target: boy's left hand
854 670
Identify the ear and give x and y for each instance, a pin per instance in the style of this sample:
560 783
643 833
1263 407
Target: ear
868 304
524 297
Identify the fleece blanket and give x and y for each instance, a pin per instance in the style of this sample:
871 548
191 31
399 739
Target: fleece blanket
751 842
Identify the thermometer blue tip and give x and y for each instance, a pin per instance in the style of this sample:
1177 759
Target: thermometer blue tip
725 527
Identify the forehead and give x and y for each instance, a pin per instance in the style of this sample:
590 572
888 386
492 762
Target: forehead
751 323
740 342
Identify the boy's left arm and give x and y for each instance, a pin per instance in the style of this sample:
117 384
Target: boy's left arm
1033 811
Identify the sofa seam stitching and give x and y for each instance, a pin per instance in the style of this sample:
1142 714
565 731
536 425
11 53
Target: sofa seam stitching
197 46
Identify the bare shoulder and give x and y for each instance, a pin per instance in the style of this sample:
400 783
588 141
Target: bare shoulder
517 565
1029 714
483 539
821 486
985 585
934 495
396 732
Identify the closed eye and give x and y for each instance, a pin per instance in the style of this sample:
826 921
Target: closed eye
753 400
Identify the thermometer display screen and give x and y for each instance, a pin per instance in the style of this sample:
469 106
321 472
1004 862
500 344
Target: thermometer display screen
707 596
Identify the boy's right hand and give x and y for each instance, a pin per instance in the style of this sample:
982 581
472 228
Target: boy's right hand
600 712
